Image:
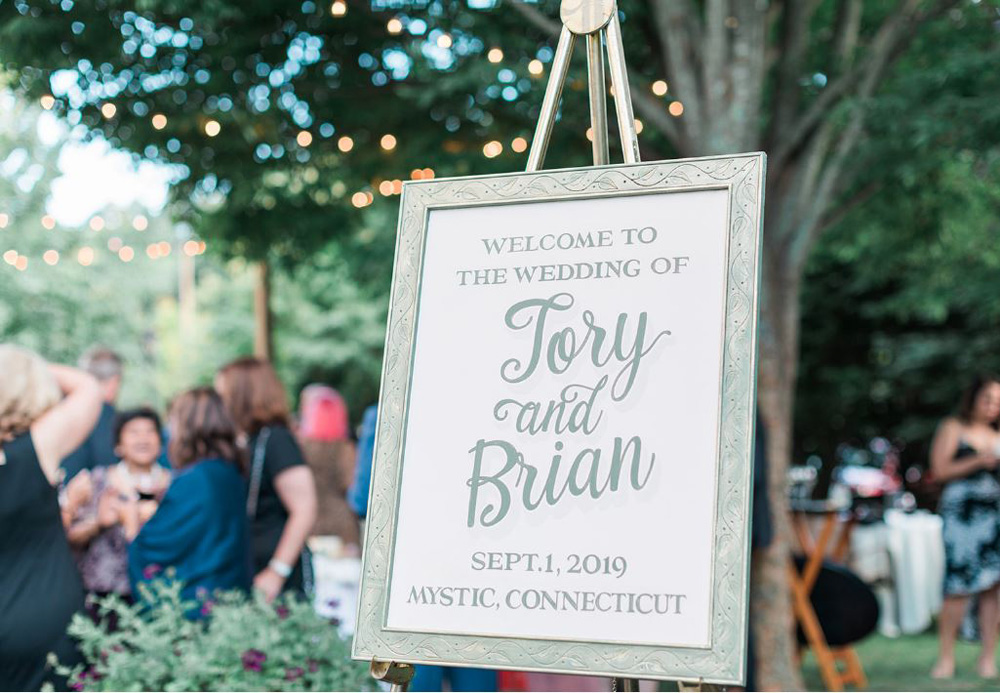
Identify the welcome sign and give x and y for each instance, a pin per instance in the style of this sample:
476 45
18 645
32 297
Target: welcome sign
563 460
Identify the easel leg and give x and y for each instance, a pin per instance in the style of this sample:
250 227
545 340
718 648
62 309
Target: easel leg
550 102
598 99
622 685
398 675
623 96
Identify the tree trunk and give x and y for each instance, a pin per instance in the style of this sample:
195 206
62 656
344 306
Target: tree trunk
263 339
778 348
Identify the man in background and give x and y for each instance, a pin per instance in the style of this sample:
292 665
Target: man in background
98 450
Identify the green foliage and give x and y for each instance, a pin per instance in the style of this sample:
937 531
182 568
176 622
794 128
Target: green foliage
242 644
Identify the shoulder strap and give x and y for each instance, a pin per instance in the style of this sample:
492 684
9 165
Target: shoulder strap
257 471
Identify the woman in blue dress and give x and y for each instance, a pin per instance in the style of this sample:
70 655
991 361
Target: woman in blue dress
200 527
964 458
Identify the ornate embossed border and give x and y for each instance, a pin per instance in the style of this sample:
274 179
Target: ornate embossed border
743 176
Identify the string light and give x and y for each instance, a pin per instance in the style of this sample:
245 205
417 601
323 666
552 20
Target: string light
345 144
659 87
153 251
48 101
385 188
676 108
4 220
397 186
495 55
125 254
417 174
428 173
590 134
338 8
164 248
360 199
159 121
212 128
492 149
22 263
97 223
638 126
444 41
519 144
51 257
304 138
191 248
388 142
201 247
394 26
10 257
536 68
85 256
140 222
48 222
108 110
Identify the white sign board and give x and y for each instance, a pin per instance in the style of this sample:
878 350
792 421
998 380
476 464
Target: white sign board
563 458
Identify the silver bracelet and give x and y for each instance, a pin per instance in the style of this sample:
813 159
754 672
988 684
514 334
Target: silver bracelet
280 567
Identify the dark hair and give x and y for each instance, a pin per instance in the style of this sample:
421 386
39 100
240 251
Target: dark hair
124 417
102 363
968 402
201 429
253 394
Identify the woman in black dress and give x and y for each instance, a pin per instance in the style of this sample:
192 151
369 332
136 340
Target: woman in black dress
46 412
281 491
964 458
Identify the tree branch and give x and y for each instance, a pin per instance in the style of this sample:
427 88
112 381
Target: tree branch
677 23
794 42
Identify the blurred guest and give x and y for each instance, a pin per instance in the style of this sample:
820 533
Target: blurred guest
357 495
281 497
963 457
200 527
45 412
98 450
105 508
329 451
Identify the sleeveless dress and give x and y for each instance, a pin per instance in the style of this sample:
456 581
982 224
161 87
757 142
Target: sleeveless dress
970 510
40 587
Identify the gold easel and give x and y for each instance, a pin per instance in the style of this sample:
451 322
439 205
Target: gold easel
597 20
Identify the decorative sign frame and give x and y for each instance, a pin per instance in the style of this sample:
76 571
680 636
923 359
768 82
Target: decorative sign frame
722 658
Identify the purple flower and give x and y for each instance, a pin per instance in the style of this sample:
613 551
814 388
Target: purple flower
76 686
253 660
206 608
282 612
313 665
151 571
293 673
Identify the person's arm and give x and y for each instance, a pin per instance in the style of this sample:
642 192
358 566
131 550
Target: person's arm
296 488
944 466
64 427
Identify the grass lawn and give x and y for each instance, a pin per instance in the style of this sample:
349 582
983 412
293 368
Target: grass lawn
902 664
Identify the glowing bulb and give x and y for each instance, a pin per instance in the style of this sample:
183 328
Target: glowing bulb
338 8
394 26
159 121
495 55
10 257
638 126
140 222
590 134
153 251
428 173
388 142
519 144
164 248
676 108
536 68
108 110
51 257
48 101
4 220
359 199
85 256
22 263
417 174
201 247
492 149
48 222
304 138
345 144
659 87
212 128
397 186
125 254
444 41
97 223
385 188
191 248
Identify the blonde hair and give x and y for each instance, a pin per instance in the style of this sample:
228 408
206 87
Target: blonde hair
27 390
